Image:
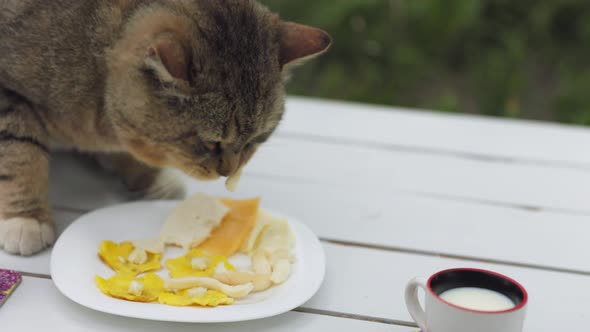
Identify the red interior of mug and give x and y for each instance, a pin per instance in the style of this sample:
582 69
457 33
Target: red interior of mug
443 281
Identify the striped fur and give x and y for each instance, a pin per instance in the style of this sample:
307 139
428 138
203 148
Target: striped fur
146 85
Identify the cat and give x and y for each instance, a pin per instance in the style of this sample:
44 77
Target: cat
145 85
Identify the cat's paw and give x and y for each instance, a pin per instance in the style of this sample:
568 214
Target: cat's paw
25 236
166 185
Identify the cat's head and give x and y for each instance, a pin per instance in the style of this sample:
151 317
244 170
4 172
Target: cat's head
200 85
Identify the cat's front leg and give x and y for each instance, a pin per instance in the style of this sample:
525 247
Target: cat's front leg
142 180
25 222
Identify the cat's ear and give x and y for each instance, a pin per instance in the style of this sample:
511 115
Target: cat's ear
300 42
168 59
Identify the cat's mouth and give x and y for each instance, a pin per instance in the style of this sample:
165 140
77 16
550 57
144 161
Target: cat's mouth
225 165
211 169
200 168
158 156
199 172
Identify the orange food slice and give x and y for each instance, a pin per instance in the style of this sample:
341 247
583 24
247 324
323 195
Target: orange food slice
227 238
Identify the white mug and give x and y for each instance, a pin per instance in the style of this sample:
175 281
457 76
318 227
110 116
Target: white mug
443 316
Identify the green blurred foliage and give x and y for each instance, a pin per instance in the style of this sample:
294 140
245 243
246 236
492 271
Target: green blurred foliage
522 59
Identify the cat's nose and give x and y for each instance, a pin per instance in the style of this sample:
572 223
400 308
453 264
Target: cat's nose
229 163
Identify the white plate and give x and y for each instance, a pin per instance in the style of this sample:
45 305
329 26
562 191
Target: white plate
75 263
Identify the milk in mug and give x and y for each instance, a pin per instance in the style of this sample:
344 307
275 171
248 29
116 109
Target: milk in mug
475 298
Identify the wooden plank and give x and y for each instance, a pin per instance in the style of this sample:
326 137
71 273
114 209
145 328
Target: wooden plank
410 222
451 133
369 169
37 263
363 169
365 282
371 282
27 310
394 219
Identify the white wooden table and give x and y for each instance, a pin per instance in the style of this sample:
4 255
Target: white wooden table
393 194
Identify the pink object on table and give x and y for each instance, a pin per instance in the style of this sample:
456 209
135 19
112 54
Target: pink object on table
9 280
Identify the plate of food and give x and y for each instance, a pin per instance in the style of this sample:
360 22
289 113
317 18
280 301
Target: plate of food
203 260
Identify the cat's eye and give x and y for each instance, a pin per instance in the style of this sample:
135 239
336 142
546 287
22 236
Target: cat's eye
214 147
209 145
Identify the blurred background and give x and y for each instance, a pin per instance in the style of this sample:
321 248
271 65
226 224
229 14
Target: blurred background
509 58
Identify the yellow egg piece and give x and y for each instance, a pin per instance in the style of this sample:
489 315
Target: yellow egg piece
121 286
116 256
184 266
183 298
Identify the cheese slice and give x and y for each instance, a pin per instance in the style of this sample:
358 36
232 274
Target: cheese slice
227 239
192 221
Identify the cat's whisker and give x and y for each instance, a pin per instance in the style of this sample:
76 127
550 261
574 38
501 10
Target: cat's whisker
166 186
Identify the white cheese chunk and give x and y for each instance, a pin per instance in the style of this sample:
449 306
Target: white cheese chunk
138 256
281 271
135 288
200 263
197 292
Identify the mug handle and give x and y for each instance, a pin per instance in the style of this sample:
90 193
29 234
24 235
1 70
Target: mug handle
413 303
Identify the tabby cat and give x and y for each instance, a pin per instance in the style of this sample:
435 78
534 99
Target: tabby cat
145 85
